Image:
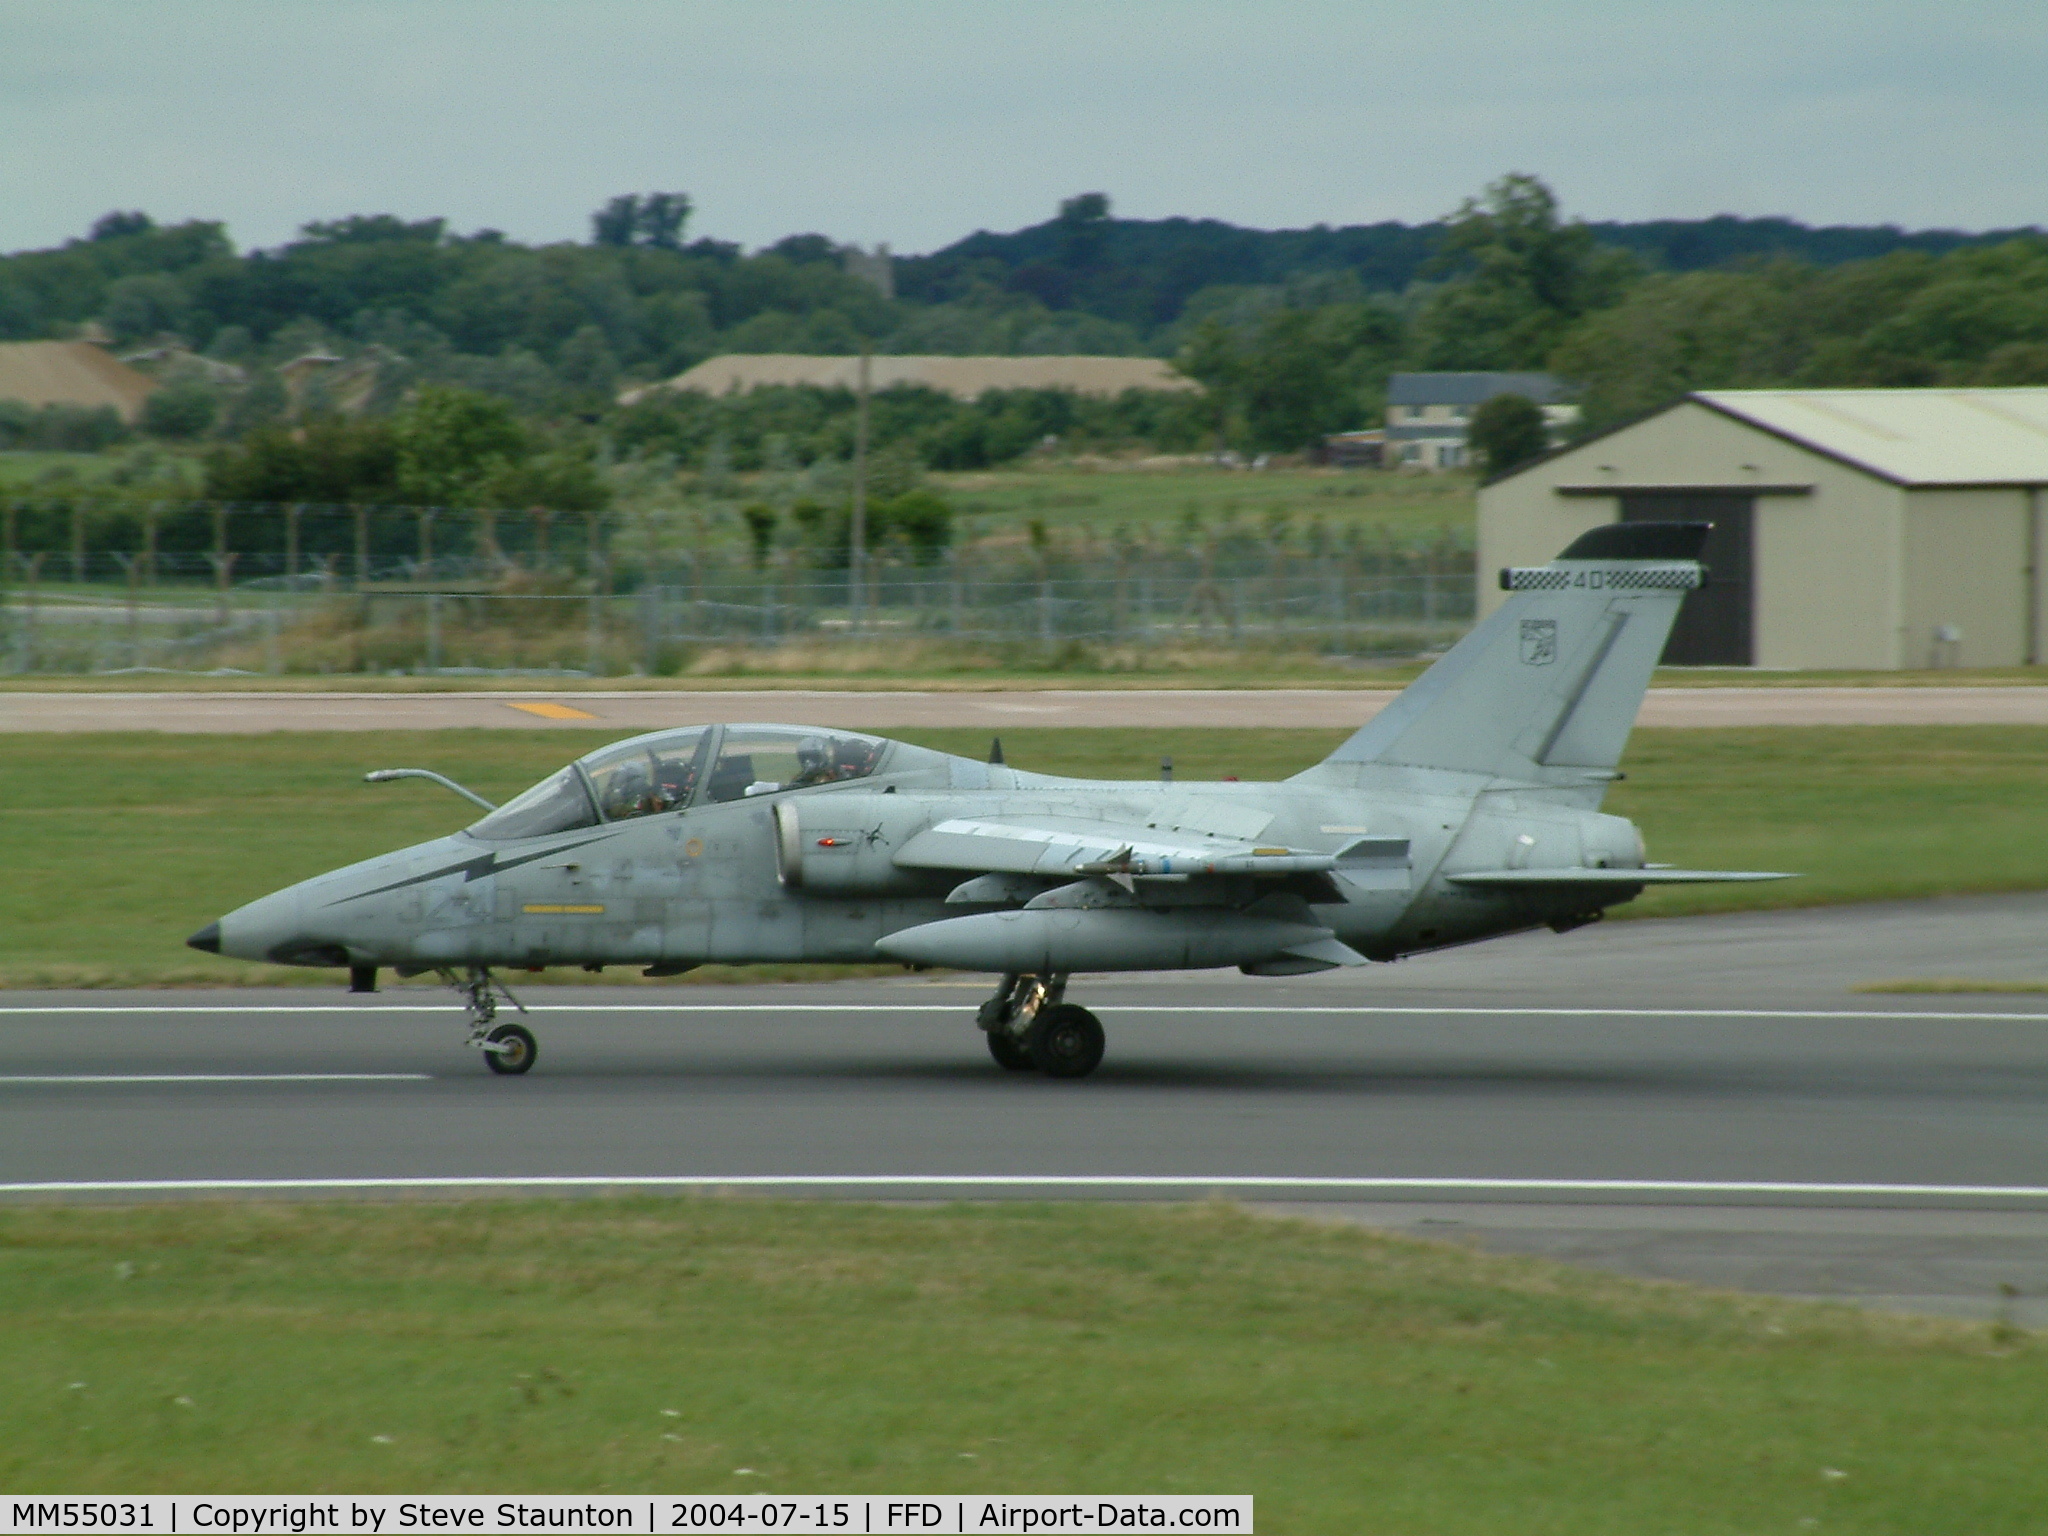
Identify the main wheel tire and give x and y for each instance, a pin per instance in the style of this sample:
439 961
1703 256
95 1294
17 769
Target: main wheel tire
516 1049
1065 1041
1011 1054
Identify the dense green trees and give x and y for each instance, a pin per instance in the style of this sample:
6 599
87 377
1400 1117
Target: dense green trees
447 448
1520 277
1507 430
1292 332
1292 376
330 461
937 430
654 220
1973 316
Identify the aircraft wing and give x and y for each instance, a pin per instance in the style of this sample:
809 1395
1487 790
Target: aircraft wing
1063 847
1508 879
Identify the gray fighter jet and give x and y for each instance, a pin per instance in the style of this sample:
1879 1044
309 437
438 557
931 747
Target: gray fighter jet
1469 807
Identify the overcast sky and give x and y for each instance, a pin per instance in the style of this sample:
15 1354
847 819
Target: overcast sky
918 121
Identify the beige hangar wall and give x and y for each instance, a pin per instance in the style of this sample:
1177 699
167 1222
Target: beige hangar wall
1966 566
1829 571
1829 568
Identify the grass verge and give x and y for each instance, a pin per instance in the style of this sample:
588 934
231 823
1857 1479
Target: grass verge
117 846
1351 1382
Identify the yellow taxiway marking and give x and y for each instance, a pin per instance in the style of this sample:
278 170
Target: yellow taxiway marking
548 711
560 907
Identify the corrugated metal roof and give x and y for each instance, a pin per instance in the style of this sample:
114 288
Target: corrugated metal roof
963 377
1471 388
71 373
1908 436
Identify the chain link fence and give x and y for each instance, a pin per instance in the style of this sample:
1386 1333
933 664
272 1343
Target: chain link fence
511 593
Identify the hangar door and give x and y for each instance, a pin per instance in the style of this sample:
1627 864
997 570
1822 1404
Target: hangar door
1714 628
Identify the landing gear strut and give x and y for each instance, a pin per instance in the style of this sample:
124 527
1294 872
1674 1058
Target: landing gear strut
509 1049
1030 1027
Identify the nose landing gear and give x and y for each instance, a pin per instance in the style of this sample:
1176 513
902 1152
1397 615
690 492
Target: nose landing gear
1029 1027
509 1049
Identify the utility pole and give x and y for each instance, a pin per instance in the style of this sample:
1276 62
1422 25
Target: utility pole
857 544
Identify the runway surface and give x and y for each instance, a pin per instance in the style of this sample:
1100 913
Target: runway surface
1276 708
1698 1098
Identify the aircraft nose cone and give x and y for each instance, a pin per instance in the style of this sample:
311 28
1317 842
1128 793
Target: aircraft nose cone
207 938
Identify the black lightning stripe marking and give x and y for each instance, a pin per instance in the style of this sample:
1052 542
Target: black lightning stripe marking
470 869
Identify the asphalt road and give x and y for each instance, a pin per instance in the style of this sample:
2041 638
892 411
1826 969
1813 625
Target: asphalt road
1698 1098
1275 708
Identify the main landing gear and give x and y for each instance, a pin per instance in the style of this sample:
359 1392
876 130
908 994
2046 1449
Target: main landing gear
1029 1028
509 1049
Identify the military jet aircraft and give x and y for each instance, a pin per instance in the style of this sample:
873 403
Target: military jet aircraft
1468 808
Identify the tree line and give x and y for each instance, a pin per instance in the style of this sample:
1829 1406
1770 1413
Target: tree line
1294 333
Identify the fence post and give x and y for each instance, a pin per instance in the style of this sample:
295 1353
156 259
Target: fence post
291 541
31 569
77 542
149 522
273 654
543 519
434 632
6 559
362 545
594 561
131 567
427 542
223 562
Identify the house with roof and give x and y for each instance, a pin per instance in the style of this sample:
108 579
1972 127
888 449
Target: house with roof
1855 528
1429 415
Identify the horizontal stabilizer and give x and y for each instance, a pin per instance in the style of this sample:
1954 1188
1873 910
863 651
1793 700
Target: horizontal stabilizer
1505 878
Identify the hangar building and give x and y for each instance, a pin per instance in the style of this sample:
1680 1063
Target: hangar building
1855 528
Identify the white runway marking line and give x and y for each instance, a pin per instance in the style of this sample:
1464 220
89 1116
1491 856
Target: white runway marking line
546 1009
1050 1181
25 1081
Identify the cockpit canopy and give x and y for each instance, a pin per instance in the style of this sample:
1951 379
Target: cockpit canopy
674 770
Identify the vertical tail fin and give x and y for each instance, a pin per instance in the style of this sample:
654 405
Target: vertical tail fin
1554 677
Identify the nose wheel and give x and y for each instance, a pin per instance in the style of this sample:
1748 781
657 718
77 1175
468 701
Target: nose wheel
510 1049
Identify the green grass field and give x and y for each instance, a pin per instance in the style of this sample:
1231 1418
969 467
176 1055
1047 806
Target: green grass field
118 846
21 468
1351 1382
